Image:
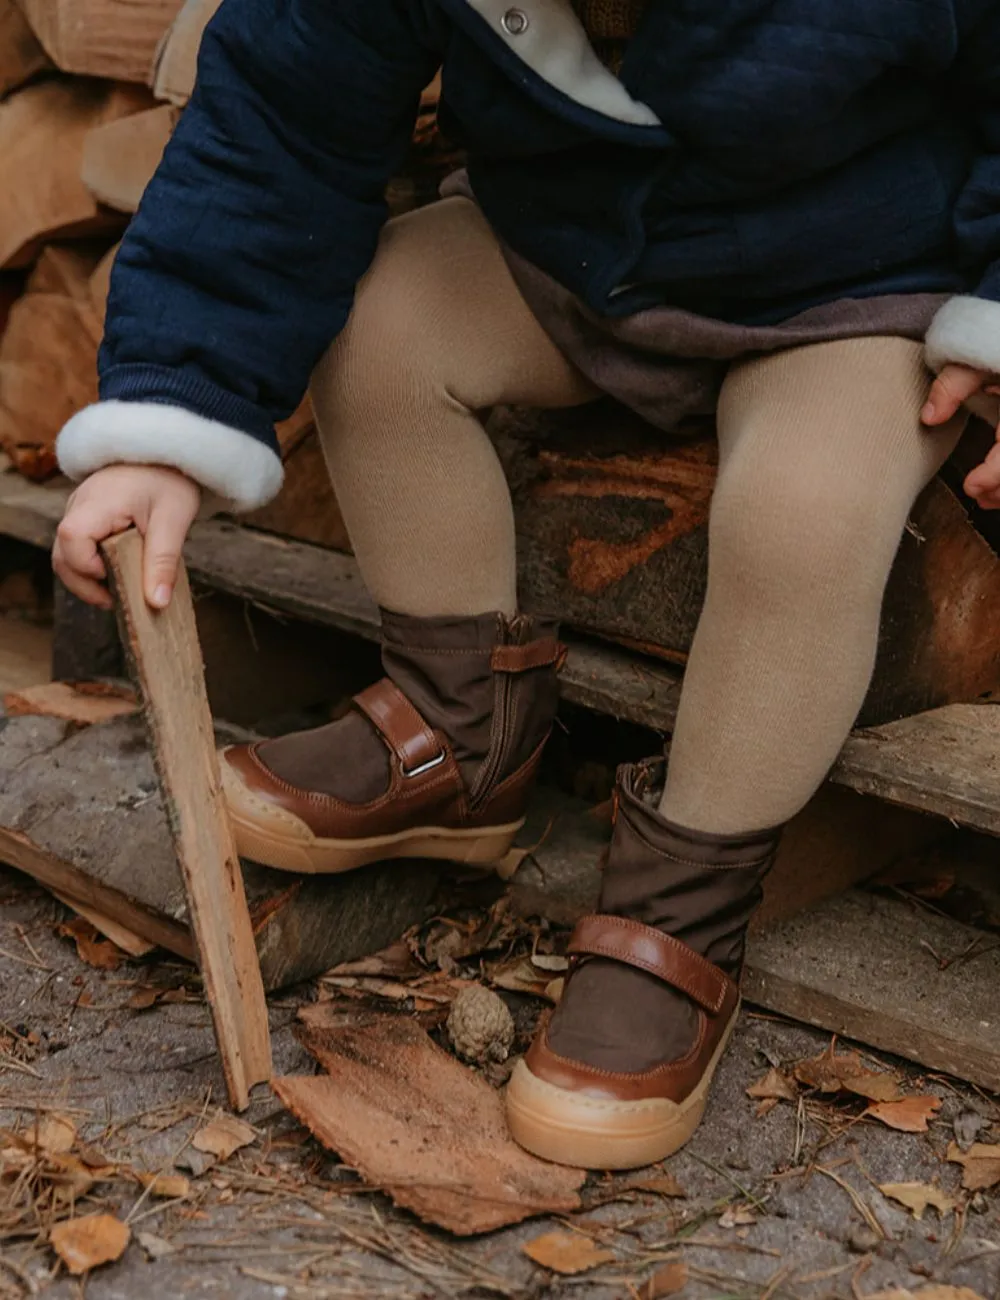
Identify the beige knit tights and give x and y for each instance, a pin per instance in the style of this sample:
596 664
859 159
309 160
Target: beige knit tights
822 454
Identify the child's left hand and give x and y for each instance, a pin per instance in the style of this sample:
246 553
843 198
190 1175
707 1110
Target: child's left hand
954 385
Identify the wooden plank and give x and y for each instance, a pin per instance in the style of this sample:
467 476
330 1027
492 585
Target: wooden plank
856 966
21 55
81 812
163 648
85 640
119 158
25 652
176 65
895 761
42 130
102 38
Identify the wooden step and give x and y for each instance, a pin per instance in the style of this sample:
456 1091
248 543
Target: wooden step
942 762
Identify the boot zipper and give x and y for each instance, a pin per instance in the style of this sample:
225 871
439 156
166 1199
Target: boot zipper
499 744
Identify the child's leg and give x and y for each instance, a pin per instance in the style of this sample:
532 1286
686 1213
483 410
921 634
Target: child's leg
822 454
439 331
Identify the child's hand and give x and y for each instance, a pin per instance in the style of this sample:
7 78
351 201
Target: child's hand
162 503
953 386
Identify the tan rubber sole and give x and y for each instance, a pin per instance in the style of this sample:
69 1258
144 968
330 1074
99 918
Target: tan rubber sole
277 838
570 1128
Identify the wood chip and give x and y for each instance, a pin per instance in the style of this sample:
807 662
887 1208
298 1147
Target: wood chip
917 1196
222 1136
83 1244
83 703
909 1115
980 1165
415 1122
567 1252
669 1280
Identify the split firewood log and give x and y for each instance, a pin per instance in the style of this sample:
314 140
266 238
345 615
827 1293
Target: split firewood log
120 157
21 53
42 132
101 38
48 359
174 72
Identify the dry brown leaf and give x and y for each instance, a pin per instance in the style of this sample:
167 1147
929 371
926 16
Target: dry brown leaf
154 1246
83 1244
980 1165
144 997
917 1196
167 1187
90 947
669 1280
520 976
55 1134
765 1107
844 1072
566 1252
774 1086
660 1185
222 1136
909 1115
550 962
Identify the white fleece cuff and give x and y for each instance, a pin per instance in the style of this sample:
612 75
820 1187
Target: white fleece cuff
966 331
229 463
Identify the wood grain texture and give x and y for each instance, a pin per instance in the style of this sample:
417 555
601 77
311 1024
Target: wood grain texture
164 651
856 966
21 54
42 129
117 39
119 158
176 65
899 762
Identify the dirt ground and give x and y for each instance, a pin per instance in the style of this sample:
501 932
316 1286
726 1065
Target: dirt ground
784 1205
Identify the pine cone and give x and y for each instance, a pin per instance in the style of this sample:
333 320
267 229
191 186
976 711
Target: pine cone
480 1026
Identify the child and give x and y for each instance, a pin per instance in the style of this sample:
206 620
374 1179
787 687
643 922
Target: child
779 210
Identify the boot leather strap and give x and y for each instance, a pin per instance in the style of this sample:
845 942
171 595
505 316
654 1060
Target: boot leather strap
401 727
541 653
651 950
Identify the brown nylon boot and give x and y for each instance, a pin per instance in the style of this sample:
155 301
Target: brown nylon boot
436 760
619 1076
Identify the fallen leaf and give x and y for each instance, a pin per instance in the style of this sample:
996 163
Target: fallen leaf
917 1196
844 1072
660 1185
154 1246
909 1115
222 1136
737 1216
198 1162
90 947
774 1086
933 1292
144 997
669 1280
566 1252
520 976
765 1107
396 961
84 1243
166 1186
980 1165
54 1134
967 1126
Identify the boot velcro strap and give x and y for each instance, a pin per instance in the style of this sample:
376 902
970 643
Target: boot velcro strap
651 950
522 658
401 727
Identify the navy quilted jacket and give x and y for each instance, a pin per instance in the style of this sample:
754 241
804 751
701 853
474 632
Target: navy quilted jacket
753 158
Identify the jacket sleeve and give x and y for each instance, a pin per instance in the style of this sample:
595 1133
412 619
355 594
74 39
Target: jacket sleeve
240 266
967 328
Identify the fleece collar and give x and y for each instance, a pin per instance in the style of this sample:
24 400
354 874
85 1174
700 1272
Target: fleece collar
548 39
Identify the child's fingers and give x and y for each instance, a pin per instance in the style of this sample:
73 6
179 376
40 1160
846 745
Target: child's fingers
88 589
954 385
168 525
982 482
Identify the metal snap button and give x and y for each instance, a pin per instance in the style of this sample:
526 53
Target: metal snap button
514 22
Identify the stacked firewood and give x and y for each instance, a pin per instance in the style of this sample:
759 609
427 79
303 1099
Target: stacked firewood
90 91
